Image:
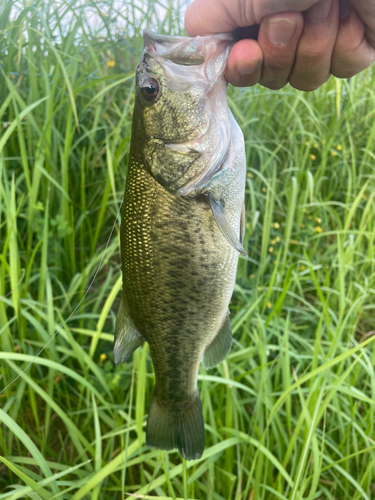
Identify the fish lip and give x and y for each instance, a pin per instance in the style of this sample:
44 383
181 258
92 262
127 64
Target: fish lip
149 35
184 50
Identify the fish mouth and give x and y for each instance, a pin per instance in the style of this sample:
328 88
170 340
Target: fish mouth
187 51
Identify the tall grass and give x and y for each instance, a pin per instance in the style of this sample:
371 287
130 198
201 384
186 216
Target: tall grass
290 413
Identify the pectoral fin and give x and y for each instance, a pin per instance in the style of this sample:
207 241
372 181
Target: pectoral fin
127 337
220 347
224 225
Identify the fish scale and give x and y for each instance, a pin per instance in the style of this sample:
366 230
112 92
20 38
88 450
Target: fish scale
179 253
176 283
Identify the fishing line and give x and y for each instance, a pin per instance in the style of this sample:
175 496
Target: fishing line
74 310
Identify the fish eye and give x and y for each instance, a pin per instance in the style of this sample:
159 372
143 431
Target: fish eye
150 89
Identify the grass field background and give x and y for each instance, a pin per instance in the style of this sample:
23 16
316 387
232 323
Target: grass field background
290 413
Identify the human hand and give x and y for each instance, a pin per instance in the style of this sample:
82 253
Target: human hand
301 42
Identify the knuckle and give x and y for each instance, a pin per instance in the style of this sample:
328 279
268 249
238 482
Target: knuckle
312 55
273 85
276 72
344 72
275 66
309 83
305 86
346 64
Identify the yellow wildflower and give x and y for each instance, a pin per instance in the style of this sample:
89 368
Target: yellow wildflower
270 249
250 175
264 189
111 63
339 147
102 357
276 225
269 305
333 153
315 145
302 268
277 239
318 220
318 229
313 157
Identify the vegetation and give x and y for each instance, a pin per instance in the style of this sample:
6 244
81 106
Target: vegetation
290 414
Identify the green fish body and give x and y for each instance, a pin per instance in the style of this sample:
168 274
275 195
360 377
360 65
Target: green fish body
182 228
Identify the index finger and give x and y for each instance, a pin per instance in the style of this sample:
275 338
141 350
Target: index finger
207 17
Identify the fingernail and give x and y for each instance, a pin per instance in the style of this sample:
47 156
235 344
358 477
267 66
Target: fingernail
319 12
247 67
280 30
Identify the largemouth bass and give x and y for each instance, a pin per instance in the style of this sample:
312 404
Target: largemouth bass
182 228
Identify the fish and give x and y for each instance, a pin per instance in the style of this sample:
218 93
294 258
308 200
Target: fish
182 228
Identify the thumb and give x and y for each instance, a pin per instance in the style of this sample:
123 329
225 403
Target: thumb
207 17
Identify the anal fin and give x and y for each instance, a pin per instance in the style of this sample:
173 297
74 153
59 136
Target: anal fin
220 347
224 224
127 337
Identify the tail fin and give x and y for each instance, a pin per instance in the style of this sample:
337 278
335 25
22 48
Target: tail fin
176 425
